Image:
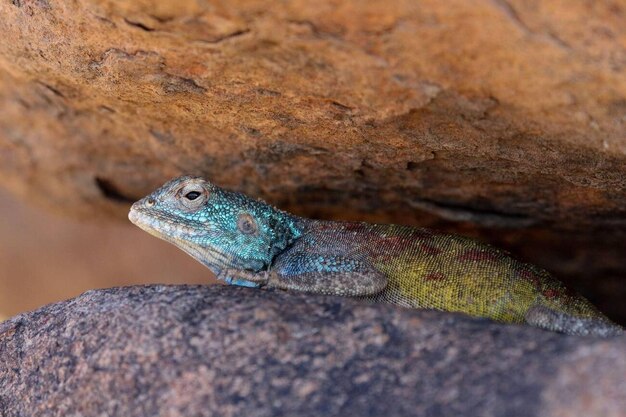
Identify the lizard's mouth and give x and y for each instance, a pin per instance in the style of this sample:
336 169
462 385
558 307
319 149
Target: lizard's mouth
157 224
139 218
145 222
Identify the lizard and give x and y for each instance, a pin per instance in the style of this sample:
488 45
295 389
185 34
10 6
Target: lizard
247 242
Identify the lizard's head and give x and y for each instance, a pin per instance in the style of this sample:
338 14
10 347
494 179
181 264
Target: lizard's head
219 228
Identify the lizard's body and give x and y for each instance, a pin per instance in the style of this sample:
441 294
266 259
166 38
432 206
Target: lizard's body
250 243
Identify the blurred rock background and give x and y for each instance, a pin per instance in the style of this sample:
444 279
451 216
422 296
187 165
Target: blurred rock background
500 119
46 257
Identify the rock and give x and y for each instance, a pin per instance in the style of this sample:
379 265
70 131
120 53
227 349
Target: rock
499 112
205 351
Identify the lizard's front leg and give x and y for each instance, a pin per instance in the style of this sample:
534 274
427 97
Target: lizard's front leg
304 270
244 278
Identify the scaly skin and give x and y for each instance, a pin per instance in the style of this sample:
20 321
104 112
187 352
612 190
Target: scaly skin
250 243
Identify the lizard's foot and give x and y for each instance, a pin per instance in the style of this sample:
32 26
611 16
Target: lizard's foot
243 278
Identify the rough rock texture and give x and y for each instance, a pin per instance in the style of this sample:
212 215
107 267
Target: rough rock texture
498 112
508 111
206 351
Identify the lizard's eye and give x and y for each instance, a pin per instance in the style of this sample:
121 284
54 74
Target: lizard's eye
246 224
193 196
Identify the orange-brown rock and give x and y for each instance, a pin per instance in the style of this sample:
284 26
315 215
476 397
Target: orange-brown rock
506 110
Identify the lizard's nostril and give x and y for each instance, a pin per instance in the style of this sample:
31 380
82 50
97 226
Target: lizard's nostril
150 202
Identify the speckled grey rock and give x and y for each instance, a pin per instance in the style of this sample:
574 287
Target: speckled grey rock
222 351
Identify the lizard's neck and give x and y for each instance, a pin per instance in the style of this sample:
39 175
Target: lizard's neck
288 228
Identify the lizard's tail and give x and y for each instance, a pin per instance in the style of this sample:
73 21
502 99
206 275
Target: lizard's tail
549 319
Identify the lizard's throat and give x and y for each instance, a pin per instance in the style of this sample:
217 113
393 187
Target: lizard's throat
212 259
174 234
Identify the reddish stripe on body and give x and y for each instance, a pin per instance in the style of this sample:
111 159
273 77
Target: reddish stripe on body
435 276
550 293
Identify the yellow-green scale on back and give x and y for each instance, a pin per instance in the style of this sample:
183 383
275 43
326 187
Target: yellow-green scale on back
453 273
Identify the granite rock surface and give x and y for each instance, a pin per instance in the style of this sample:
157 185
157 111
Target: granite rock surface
223 351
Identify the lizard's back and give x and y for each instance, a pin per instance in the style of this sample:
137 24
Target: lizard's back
426 269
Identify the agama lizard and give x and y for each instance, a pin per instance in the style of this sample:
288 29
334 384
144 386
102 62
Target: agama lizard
250 243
